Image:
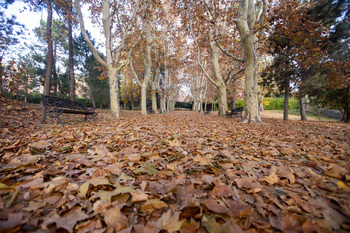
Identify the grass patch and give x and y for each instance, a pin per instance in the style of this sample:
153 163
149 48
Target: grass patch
296 112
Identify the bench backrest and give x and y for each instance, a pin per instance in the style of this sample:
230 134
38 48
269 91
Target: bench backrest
52 101
240 109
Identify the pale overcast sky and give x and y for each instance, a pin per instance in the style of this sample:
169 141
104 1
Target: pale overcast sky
31 20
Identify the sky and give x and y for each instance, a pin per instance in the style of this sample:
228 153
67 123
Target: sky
31 20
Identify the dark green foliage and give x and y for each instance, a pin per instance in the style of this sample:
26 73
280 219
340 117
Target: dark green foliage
331 87
97 82
85 101
183 105
34 98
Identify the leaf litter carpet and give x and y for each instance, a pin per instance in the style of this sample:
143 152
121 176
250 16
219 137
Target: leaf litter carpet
175 172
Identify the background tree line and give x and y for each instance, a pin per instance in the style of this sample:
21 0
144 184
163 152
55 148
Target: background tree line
217 51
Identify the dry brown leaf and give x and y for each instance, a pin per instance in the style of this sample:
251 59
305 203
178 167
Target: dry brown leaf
67 221
169 222
115 219
137 197
152 205
272 178
250 184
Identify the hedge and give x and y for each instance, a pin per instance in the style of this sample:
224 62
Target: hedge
272 103
278 103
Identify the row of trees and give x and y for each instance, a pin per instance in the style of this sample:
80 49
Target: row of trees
158 45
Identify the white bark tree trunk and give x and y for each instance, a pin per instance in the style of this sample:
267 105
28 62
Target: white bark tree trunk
245 24
109 64
144 98
114 91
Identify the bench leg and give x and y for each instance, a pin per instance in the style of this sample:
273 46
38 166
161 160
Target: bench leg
44 118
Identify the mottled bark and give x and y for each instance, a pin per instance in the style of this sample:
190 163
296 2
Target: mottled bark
92 98
114 91
302 109
71 61
286 99
48 38
245 24
144 98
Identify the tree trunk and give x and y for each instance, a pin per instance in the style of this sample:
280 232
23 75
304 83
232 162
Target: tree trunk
1 75
92 98
220 84
222 100
71 61
286 99
162 103
251 60
148 67
154 99
114 91
144 98
302 109
54 71
26 89
47 83
233 99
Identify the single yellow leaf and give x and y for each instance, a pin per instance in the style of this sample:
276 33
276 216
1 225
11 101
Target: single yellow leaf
343 186
4 186
84 188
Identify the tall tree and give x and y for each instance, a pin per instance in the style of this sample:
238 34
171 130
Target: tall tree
121 22
330 83
212 31
296 42
10 30
248 22
70 48
48 38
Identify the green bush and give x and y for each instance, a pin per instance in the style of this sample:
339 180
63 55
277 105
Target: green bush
240 103
85 101
34 98
278 103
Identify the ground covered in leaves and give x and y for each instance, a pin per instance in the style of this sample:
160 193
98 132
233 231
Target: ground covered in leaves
176 172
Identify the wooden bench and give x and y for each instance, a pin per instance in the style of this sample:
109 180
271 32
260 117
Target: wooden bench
54 107
150 111
235 112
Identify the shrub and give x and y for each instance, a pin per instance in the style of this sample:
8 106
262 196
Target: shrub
34 98
85 101
278 103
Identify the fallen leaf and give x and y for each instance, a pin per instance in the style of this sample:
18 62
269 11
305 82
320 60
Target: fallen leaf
152 205
168 222
272 178
250 184
138 197
13 223
335 171
343 186
67 221
116 219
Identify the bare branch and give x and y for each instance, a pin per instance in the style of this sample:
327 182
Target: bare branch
86 37
198 56
226 52
232 75
133 71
